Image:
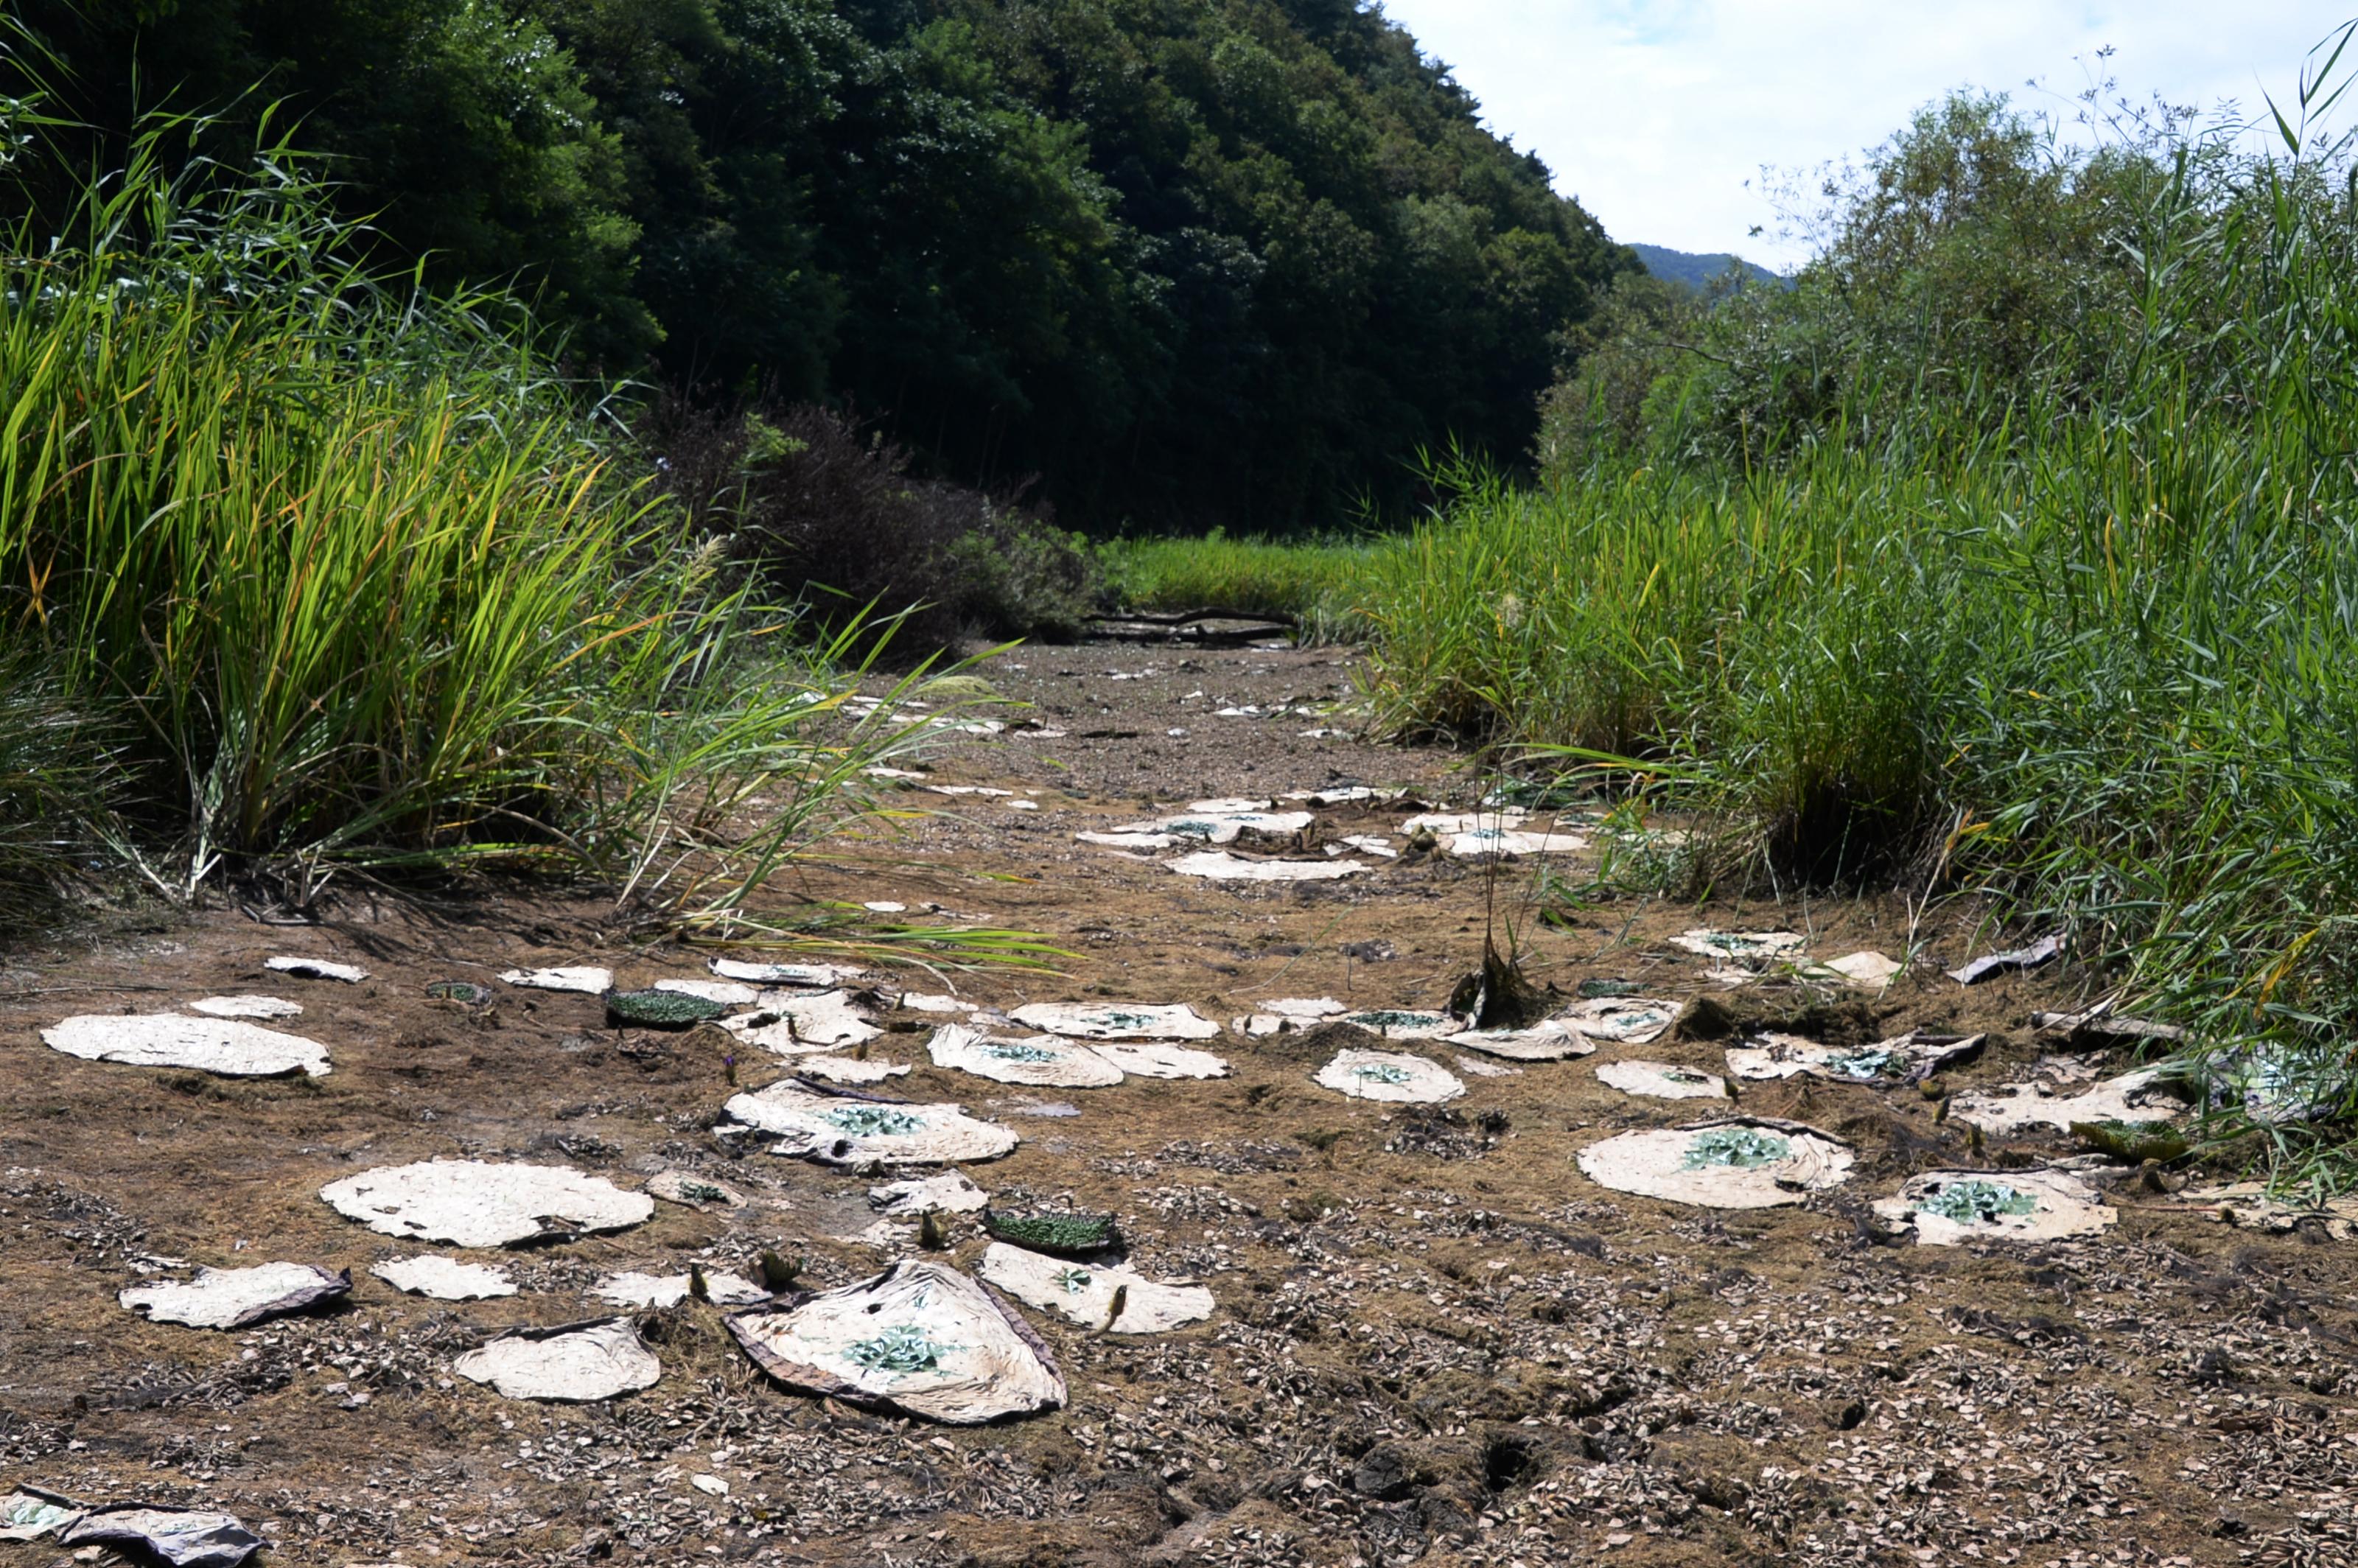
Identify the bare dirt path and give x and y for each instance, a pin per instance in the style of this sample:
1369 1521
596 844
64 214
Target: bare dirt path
1436 1340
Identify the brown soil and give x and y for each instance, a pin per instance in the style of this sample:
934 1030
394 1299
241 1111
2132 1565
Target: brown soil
1436 1341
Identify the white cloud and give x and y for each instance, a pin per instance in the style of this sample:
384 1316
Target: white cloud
1657 115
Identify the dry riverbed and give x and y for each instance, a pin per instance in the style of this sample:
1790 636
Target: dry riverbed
1433 1337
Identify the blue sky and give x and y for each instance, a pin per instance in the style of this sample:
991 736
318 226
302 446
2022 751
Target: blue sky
1657 112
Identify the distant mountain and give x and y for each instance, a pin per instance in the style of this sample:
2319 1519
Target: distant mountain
1694 270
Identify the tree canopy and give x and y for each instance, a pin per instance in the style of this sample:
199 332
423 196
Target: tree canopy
1188 261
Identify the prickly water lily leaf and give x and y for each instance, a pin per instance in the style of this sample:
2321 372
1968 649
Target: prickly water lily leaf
1913 1055
1118 1020
1219 865
1405 1023
473 1203
660 1010
811 1126
728 993
848 1069
1602 991
1059 1235
632 1289
1389 1078
1739 947
1552 1040
920 1339
692 1190
1756 1163
1945 1207
1159 1059
231 1298
228 1048
793 1025
573 1364
1623 1019
29 1513
316 969
1040 1061
809 976
949 1193
1088 1296
464 991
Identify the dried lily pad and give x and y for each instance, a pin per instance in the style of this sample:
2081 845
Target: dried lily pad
574 1363
1914 1055
1160 1059
949 1193
445 1279
849 1069
180 1537
791 1025
728 993
231 1298
1599 990
474 1203
2132 1096
2250 1206
1088 1294
1287 1013
1751 1163
660 1009
1662 1080
1390 1077
1405 1023
1118 1020
1751 948
920 1339
631 1289
227 1047
316 969
1219 865
1510 843
1948 1206
695 1192
1623 1019
808 977
1552 1040
842 1132
29 1513
1038 1060
1868 970
466 993
586 978
1060 1235
262 1007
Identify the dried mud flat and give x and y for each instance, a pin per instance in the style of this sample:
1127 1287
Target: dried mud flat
1434 1340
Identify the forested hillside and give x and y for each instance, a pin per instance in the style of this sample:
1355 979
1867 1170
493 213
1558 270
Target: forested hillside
1189 263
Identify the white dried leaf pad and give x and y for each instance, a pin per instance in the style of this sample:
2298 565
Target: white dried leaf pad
1160 1059
1389 1078
1662 1080
1655 1164
919 1337
2132 1096
262 1007
1136 841
1868 970
934 1001
227 1046
575 1363
810 977
1217 865
1233 805
1084 1293
2250 1206
1552 1041
317 970
1039 1061
474 1203
1623 1021
949 1193
727 993
849 1069
585 979
1305 1007
1445 823
1118 1020
1740 947
853 1132
1512 842
2060 1204
231 1298
631 1289
445 1279
789 1025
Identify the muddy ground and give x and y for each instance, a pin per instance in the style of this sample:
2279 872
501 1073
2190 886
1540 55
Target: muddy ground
1436 1341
